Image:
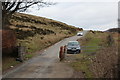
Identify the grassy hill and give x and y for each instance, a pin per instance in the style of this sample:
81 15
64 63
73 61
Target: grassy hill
114 30
33 32
38 32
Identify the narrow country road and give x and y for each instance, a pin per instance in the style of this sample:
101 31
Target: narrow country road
45 65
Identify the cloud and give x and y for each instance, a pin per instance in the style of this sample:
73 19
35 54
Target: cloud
103 27
88 15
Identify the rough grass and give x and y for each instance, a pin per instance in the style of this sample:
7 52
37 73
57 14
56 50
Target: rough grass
83 61
8 62
27 56
36 33
92 42
83 66
40 42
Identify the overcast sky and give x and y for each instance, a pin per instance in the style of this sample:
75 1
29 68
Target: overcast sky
87 15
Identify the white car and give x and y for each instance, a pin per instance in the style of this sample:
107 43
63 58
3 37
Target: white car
80 34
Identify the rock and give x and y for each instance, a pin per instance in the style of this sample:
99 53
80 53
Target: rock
11 66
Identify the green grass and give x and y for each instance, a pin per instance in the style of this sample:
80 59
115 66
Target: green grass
83 66
94 47
93 42
7 63
11 61
83 60
29 56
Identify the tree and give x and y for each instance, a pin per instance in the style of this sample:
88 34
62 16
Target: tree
11 6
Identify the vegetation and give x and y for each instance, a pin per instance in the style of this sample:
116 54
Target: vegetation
98 59
12 6
114 30
35 33
8 62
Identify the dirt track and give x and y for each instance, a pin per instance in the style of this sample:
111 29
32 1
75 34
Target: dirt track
45 65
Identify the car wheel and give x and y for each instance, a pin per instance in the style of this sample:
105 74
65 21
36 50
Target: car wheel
79 51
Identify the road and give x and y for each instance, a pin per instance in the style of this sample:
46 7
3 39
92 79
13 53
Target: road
45 65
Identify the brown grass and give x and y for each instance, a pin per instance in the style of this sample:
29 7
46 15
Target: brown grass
103 63
36 33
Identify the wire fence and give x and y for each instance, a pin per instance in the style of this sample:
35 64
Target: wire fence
90 49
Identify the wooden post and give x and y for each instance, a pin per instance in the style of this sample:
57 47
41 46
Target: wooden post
61 53
21 52
64 51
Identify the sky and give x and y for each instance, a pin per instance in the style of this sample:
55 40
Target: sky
89 15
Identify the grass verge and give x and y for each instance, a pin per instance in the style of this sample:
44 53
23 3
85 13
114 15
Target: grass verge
33 45
91 43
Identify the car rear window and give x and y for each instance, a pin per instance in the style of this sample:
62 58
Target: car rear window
73 43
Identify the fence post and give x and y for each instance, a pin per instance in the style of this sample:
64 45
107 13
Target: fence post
21 52
64 51
110 40
61 53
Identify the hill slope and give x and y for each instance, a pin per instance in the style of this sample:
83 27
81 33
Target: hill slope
39 25
38 32
33 32
114 30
